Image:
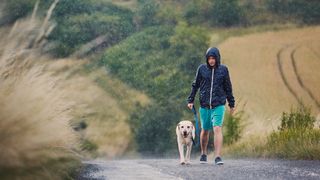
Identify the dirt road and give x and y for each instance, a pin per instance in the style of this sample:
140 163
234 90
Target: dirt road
170 169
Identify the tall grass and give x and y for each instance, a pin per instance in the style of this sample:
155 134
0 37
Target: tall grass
233 127
36 139
296 138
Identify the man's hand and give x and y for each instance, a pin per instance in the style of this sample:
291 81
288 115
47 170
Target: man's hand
231 110
190 105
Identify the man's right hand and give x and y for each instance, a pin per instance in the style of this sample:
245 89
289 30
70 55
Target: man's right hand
190 105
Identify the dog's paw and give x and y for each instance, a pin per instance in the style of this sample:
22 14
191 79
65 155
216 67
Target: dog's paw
182 163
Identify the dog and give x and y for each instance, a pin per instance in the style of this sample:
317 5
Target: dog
185 137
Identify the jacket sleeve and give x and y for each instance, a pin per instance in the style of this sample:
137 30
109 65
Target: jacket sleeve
195 86
228 89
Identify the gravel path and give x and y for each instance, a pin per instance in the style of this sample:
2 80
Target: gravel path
170 169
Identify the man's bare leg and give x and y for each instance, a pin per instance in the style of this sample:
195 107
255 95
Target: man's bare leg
218 138
204 139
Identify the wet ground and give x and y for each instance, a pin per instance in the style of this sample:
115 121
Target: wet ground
171 169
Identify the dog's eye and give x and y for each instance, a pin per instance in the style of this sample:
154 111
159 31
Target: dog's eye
181 126
188 127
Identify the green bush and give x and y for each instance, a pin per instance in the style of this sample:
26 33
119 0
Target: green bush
188 46
232 127
307 12
80 21
224 13
146 13
294 144
299 118
193 12
297 138
155 133
15 9
158 61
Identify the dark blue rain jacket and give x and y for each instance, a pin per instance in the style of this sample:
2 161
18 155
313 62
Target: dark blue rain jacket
214 83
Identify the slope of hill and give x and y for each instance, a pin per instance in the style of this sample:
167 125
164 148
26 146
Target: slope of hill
101 101
273 72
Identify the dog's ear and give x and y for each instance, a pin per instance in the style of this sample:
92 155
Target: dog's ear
178 125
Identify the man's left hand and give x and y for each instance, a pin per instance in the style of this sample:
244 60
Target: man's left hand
231 110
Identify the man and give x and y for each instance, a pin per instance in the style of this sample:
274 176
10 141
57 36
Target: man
215 87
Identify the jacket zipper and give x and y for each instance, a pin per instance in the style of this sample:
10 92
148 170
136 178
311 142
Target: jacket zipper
211 87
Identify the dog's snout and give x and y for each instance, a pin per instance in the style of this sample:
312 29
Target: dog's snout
185 132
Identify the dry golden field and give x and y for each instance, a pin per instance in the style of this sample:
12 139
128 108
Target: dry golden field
273 72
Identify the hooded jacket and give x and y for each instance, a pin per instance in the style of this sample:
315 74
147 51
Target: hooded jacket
214 83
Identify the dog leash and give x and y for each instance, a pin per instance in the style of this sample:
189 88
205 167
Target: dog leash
197 124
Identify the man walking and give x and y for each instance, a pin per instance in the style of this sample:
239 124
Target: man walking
215 88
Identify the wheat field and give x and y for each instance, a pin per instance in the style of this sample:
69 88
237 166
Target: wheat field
273 72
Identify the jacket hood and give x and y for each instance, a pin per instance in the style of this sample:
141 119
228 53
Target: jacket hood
213 51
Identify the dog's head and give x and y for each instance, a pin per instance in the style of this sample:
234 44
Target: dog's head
185 128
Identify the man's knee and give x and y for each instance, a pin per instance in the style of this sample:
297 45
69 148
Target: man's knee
204 132
217 129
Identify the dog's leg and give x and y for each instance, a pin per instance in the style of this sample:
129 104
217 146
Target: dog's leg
180 147
188 154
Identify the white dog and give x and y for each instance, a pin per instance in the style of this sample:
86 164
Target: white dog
185 136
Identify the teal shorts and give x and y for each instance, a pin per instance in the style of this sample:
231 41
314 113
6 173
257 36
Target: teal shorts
211 117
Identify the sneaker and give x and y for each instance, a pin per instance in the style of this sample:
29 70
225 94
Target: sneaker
203 159
218 161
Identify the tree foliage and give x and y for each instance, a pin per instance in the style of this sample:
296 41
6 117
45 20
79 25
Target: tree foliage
155 61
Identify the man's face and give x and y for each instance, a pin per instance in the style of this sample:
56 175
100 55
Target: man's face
211 61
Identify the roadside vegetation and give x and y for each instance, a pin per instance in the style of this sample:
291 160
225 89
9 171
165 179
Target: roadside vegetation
37 141
296 138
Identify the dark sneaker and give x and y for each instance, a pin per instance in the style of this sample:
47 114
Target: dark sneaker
218 161
203 159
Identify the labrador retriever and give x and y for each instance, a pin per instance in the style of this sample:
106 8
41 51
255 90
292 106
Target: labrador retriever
185 137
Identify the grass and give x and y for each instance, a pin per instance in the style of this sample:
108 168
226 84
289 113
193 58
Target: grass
36 141
296 138
295 144
288 144
42 99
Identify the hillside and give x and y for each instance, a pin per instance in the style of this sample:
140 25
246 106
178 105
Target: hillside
273 72
101 101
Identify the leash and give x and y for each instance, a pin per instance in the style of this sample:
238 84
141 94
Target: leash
197 124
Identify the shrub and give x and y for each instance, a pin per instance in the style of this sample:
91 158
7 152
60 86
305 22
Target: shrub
156 61
146 13
15 9
232 128
223 13
156 131
81 21
297 138
294 144
307 12
299 118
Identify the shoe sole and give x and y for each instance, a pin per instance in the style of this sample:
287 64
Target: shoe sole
203 162
219 163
